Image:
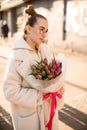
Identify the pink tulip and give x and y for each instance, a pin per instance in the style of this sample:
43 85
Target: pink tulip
58 71
45 60
48 72
46 67
54 67
38 76
43 72
33 67
50 75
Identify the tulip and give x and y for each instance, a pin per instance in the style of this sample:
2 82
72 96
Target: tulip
58 71
46 70
50 75
50 66
33 67
43 72
45 61
46 67
38 76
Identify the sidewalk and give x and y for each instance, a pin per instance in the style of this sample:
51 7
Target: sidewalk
4 51
5 118
74 114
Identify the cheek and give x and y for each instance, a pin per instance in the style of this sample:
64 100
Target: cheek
33 36
36 36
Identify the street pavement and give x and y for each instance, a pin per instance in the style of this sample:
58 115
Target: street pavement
73 116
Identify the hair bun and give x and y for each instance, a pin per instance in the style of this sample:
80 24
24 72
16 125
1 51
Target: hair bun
30 10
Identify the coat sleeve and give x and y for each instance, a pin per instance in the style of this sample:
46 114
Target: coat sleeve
26 97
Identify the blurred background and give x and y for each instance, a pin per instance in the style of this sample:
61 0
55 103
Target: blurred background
67 34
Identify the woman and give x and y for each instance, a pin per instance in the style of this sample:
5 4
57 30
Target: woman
21 91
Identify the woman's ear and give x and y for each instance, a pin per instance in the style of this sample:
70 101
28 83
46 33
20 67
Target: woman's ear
27 28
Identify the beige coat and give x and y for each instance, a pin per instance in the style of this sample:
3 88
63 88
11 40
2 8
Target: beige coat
29 111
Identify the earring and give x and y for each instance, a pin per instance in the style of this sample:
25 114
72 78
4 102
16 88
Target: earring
25 31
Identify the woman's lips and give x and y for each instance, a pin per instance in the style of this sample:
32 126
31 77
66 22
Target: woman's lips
42 39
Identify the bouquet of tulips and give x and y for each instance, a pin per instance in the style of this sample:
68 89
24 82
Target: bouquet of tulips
43 70
47 75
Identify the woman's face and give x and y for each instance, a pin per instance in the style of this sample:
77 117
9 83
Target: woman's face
39 31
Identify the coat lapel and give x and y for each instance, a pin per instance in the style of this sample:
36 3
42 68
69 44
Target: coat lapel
25 56
24 69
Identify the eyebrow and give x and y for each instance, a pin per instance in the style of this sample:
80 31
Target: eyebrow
43 28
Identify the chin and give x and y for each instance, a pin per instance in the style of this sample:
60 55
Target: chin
39 43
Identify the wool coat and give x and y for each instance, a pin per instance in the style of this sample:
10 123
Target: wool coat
29 110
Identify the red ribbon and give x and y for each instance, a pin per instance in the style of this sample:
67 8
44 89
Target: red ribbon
53 95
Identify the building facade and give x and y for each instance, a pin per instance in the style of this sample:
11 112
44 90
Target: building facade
12 12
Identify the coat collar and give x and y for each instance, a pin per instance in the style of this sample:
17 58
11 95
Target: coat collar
21 49
20 43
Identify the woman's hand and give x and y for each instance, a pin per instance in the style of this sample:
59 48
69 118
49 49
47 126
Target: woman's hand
61 90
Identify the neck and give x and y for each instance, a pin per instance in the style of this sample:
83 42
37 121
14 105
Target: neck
31 43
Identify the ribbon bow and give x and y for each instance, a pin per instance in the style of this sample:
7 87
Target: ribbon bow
53 96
